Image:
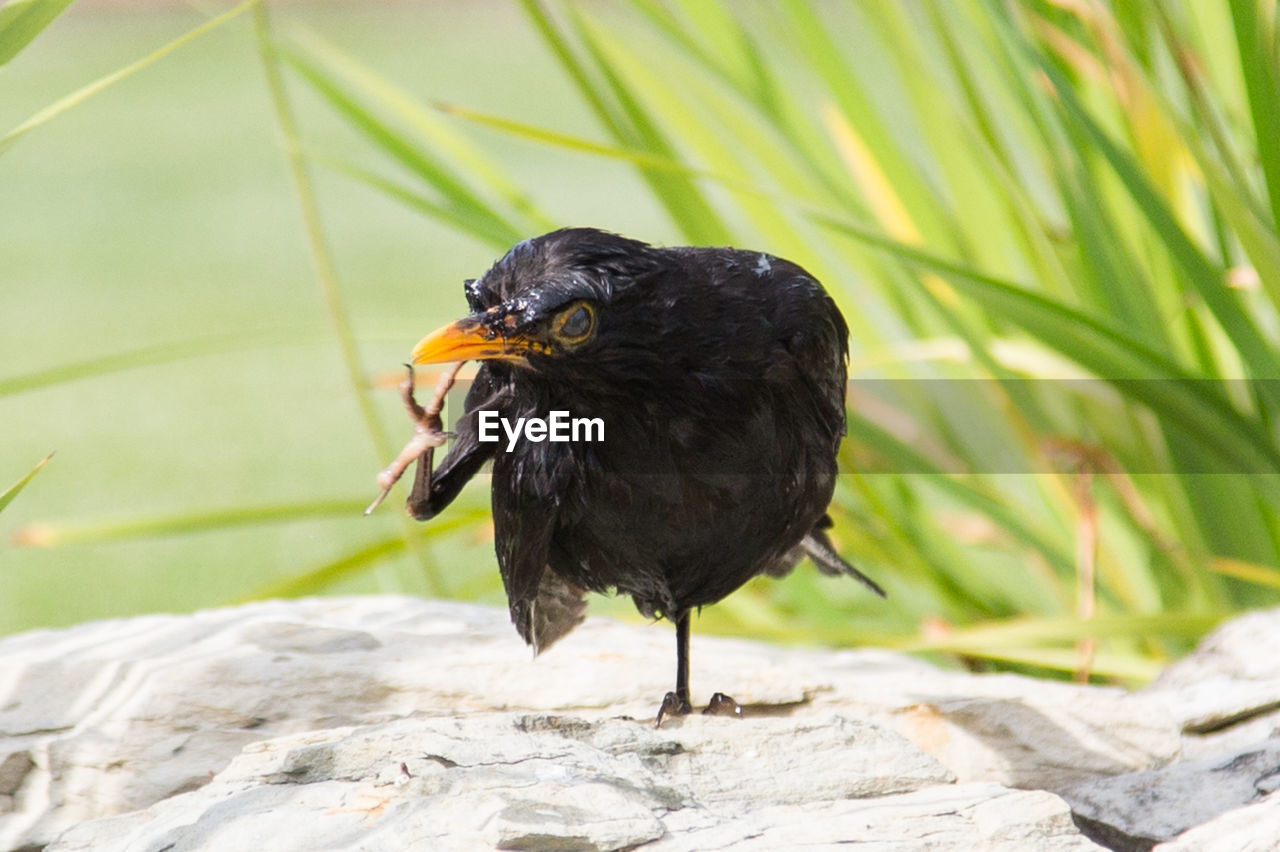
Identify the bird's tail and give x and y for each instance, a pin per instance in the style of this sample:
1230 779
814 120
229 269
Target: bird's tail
818 548
557 608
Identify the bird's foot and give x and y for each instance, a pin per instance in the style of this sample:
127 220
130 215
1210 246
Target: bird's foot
723 705
672 705
427 431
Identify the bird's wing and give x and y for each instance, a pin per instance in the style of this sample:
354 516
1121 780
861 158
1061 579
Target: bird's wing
527 510
435 490
524 521
814 333
815 336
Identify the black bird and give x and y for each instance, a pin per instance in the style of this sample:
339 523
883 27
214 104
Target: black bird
719 376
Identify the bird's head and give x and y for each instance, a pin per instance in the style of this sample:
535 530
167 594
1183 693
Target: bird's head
553 301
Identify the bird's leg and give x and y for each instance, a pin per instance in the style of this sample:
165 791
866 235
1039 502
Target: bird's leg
677 703
682 662
427 431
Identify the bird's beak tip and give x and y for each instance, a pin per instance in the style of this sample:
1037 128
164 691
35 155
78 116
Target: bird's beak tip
434 347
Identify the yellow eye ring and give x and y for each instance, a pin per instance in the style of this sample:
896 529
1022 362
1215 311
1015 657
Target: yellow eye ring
575 324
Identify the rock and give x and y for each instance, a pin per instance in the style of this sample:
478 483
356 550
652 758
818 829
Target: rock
958 817
389 722
1225 701
1232 678
518 782
1137 810
14 769
1253 828
1050 737
548 782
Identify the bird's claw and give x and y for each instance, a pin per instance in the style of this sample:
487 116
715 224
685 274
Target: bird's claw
672 705
723 705
427 431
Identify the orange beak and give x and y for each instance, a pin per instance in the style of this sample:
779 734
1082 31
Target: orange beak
469 340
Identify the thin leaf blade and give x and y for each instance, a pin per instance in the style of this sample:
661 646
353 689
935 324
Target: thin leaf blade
13 490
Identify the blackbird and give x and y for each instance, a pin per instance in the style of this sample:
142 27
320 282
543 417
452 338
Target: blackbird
719 378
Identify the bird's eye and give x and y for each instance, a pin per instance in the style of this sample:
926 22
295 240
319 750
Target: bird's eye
575 324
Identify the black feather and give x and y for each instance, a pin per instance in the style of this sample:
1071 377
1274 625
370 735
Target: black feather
720 377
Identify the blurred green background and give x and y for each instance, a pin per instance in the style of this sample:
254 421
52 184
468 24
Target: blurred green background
161 212
1009 191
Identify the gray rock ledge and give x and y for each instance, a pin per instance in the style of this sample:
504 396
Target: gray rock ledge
397 723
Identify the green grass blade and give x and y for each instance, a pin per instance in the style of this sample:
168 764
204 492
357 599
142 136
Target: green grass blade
1209 122
1111 354
1024 631
568 142
681 107
1030 640
685 203
82 94
1111 665
618 109
23 20
819 46
314 581
902 457
713 38
12 491
709 33
59 534
433 172
481 170
1200 271
322 263
984 111
1249 572
320 255
642 159
606 111
1222 175
363 559
1259 242
481 227
459 168
1258 64
148 356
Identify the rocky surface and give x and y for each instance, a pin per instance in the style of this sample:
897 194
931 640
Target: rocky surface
389 723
